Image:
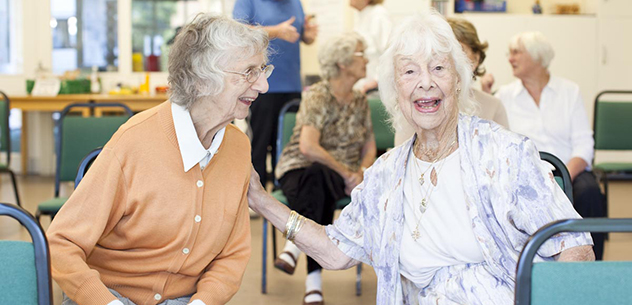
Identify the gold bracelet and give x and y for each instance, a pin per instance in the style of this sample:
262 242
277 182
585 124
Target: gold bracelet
301 220
290 224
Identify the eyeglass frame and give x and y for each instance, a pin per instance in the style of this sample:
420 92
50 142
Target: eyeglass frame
266 69
359 54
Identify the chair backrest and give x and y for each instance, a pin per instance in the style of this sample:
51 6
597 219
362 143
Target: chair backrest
25 276
285 127
5 132
78 135
384 135
560 173
576 283
612 124
85 164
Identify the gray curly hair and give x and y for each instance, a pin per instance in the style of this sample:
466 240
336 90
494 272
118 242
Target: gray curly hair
338 50
202 49
426 33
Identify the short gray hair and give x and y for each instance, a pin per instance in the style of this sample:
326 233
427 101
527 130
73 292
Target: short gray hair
426 33
202 49
536 45
338 50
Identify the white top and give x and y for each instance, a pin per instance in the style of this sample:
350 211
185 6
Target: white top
374 25
446 235
559 126
192 150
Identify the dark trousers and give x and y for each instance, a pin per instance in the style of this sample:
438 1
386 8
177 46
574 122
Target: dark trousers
590 202
263 122
313 192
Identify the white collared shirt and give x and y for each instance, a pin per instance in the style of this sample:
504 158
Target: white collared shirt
374 25
191 149
559 126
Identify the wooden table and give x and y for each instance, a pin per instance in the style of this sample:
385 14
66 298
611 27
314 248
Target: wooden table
57 103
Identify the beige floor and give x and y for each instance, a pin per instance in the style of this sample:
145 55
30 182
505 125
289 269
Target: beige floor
338 287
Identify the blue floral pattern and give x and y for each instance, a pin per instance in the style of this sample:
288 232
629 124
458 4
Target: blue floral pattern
510 193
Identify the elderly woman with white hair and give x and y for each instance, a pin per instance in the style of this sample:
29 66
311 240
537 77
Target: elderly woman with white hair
331 144
162 216
550 111
443 217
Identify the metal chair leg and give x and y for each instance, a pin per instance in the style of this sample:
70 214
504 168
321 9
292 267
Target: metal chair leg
274 245
15 188
264 257
359 280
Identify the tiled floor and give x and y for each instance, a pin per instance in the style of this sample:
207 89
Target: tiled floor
339 286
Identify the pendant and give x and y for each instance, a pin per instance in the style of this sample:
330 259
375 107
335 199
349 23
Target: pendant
421 180
433 177
416 235
422 205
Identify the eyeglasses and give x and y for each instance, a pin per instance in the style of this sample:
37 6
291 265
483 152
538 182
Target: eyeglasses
514 52
359 54
252 74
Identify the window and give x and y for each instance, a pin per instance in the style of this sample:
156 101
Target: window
154 26
10 35
84 35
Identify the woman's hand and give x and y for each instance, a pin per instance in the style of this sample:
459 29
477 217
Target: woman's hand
255 189
487 81
351 181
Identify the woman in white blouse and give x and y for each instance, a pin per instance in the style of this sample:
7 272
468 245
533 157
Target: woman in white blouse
550 110
441 218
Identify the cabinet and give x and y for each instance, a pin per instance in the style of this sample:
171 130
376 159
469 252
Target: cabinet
615 50
614 8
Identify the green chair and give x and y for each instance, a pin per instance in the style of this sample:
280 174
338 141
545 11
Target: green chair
5 143
560 173
612 125
384 135
287 120
576 283
85 163
25 276
76 137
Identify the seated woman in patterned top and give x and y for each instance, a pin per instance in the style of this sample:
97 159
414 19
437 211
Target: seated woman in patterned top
443 217
332 142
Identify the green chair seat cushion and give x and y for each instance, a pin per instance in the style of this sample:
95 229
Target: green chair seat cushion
18 280
614 167
51 205
581 283
278 194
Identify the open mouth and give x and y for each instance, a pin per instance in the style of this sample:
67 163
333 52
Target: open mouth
427 105
247 100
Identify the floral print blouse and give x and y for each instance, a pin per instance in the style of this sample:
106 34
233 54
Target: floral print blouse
509 191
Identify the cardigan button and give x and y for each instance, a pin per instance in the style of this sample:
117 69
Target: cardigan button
200 183
157 297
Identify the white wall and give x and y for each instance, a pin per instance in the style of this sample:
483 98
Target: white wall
590 50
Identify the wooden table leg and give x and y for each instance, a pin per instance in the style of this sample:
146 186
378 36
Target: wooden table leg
24 151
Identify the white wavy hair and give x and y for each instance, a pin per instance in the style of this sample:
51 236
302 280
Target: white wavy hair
427 33
536 44
202 49
338 50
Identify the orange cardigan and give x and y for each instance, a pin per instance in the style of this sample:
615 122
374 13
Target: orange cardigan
142 226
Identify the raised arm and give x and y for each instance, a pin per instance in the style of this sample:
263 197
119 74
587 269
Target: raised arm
311 239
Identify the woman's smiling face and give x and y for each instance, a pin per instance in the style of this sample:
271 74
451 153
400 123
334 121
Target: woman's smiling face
427 91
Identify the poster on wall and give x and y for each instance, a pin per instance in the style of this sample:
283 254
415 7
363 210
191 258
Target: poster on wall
461 6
